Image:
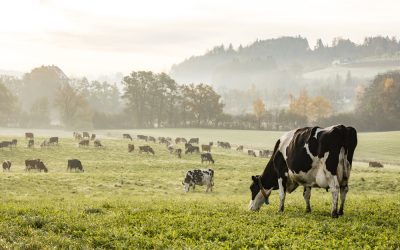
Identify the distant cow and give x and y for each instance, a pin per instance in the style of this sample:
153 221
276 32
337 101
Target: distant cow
192 149
28 135
375 164
170 149
77 136
178 152
207 157
97 143
85 135
14 143
240 148
6 165
31 143
188 145
142 137
206 148
225 145
93 137
251 153
35 164
152 139
131 147
53 140
146 149
180 140
162 140
45 143
194 141
75 164
127 136
198 177
84 142
5 144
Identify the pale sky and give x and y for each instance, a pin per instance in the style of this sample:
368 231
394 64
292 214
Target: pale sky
93 37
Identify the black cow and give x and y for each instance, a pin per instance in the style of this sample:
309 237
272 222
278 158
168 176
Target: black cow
5 144
53 140
75 164
310 157
131 147
31 143
14 143
84 142
142 137
35 164
251 153
6 165
375 164
194 141
152 139
192 149
207 157
28 135
199 177
127 136
146 149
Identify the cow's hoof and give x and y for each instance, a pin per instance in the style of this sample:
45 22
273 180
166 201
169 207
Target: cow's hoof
308 210
334 215
340 213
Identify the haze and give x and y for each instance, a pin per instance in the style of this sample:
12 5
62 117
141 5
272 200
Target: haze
102 37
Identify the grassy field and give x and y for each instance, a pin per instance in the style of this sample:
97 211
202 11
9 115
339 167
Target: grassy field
137 201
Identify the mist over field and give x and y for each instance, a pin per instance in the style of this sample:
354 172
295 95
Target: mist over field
208 124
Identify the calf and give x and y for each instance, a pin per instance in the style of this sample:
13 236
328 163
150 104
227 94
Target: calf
192 149
206 157
6 165
131 147
375 164
310 157
251 153
199 177
127 136
146 149
75 164
194 141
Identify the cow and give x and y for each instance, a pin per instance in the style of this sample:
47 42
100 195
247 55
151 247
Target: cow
310 157
40 166
6 165
207 157
131 147
84 142
5 144
206 147
146 149
127 136
53 140
152 139
45 143
14 143
194 141
162 140
198 177
35 164
77 136
375 164
178 152
188 145
97 143
29 135
240 148
251 153
264 153
75 164
93 137
225 145
31 143
85 135
192 149
142 137
170 149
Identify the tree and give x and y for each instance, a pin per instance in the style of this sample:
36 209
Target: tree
7 104
39 115
259 110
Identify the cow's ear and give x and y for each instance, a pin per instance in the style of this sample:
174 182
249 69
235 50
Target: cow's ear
254 178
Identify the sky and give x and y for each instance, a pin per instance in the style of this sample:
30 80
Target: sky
94 37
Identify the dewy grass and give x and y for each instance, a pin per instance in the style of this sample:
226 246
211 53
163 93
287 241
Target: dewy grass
136 201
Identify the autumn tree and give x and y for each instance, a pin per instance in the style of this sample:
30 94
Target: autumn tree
259 110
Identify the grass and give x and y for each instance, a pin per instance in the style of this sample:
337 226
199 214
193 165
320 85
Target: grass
137 201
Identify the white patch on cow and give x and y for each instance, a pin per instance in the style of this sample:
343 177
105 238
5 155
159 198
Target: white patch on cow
317 131
286 174
257 202
285 141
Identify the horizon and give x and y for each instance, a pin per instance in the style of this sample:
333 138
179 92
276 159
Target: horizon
122 37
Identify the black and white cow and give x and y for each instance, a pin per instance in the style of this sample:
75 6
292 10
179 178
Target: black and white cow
199 177
310 157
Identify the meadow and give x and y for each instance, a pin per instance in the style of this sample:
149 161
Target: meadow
136 201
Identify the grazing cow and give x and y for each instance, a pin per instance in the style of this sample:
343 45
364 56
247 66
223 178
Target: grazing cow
152 139
198 177
251 153
6 165
31 143
192 149
375 164
93 137
85 135
180 140
5 144
53 140
264 153
84 142
146 149
40 166
310 157
178 152
75 164
35 164
142 137
162 140
207 157
240 148
225 145
28 135
45 143
194 141
127 136
170 149
14 143
206 148
97 143
131 147
188 145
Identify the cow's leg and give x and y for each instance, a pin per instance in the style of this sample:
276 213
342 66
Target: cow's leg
343 194
307 196
282 194
334 186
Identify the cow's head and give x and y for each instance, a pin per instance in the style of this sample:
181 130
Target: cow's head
259 195
151 151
